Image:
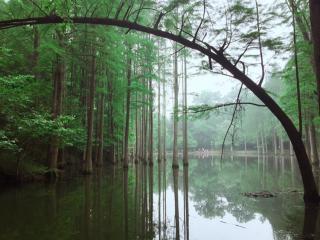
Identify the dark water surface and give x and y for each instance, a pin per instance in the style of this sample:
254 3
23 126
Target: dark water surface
203 201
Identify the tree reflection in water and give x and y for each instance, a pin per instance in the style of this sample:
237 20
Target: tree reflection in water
196 202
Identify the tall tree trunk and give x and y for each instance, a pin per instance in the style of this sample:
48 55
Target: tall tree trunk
35 55
90 114
111 147
150 123
315 32
101 128
164 118
159 107
175 162
127 120
297 70
58 78
137 132
185 113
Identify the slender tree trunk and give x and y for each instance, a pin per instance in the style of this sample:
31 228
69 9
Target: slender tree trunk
90 114
159 106
307 140
291 149
150 219
137 145
245 145
111 147
281 146
164 118
175 162
35 55
186 202
127 121
297 71
176 202
262 143
101 129
258 146
150 123
313 145
275 146
58 78
145 125
185 113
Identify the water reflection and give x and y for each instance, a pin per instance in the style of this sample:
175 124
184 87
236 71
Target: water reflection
186 201
176 202
195 202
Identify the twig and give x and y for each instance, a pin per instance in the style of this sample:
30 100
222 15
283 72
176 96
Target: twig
233 115
37 6
202 19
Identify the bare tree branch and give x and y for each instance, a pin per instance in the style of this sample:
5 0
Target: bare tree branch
206 108
232 119
202 19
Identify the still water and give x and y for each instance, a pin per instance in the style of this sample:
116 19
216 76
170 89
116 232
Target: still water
203 201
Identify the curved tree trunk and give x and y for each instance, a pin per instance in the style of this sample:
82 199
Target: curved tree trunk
310 188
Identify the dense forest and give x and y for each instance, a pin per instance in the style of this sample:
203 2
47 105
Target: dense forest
169 119
103 94
98 88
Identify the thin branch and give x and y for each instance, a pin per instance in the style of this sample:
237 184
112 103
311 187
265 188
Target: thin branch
244 51
156 25
201 109
37 6
233 116
119 9
202 19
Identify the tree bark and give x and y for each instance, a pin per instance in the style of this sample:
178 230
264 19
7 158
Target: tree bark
90 114
164 118
111 147
185 113
58 78
101 128
159 106
128 102
315 32
150 123
175 163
